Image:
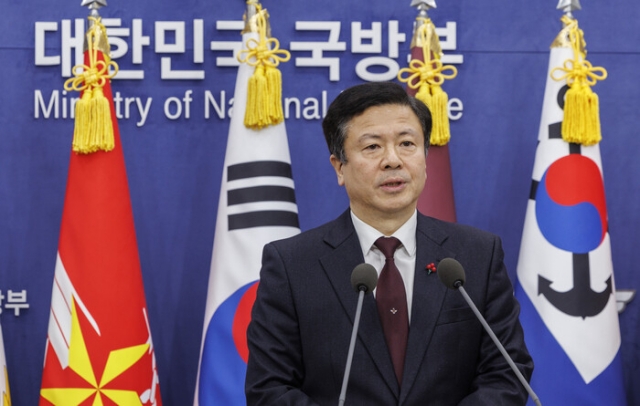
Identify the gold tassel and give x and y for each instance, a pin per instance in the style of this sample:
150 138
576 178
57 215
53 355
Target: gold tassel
427 76
581 122
264 92
93 122
440 134
424 94
81 128
274 84
257 115
103 126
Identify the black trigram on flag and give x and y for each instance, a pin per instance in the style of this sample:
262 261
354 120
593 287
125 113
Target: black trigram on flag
261 213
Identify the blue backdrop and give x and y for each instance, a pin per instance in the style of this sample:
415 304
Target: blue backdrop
174 121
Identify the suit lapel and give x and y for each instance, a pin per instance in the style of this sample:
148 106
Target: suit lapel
338 265
428 296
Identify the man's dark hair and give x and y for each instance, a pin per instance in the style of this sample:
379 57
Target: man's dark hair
355 100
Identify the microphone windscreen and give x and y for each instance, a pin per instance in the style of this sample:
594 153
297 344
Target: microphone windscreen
450 271
364 276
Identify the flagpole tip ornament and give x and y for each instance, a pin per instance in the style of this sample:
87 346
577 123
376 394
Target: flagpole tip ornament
94 6
568 6
423 4
249 16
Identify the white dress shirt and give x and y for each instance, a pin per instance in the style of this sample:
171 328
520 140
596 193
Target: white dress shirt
405 256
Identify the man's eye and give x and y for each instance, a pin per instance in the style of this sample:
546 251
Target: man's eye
372 146
406 143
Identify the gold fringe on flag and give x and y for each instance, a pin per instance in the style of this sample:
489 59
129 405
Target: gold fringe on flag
427 76
93 125
264 92
581 122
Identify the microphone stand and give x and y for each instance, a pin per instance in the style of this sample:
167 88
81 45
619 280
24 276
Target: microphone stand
534 397
352 345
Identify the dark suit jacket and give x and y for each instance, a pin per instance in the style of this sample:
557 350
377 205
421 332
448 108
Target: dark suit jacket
304 312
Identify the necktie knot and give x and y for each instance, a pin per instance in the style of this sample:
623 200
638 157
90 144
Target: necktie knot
388 246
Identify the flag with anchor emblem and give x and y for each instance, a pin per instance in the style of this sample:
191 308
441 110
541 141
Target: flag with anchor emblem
565 272
257 205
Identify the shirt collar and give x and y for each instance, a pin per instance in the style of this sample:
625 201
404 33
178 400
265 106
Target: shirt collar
368 235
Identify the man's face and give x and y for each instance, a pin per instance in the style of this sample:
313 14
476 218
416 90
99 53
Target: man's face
386 164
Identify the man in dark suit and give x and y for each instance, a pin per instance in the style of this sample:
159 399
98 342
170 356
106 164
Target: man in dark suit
418 343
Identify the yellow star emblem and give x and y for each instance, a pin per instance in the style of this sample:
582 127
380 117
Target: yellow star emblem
117 363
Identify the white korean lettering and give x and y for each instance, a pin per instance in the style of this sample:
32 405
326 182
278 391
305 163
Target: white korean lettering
395 38
72 42
235 46
374 46
374 37
362 69
120 47
16 301
137 41
40 36
448 42
162 45
317 49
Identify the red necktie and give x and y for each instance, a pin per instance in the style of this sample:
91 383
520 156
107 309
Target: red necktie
391 299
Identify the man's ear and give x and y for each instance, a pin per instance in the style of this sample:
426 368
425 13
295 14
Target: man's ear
337 166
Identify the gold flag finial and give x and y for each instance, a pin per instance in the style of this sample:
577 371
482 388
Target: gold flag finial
568 6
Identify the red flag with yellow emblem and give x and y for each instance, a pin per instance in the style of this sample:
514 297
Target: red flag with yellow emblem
99 348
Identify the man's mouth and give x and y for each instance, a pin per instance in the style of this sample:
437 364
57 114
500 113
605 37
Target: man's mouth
393 183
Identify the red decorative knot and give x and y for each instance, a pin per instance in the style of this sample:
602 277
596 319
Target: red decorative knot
431 268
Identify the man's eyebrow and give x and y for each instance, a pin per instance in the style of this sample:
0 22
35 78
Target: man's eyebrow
369 136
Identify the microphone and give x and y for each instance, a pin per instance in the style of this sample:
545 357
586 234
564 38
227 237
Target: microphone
451 274
364 279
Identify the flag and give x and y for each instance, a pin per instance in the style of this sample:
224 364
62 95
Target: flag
99 348
5 394
565 273
256 206
424 78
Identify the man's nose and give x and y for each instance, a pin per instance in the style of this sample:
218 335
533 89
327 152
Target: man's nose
391 158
